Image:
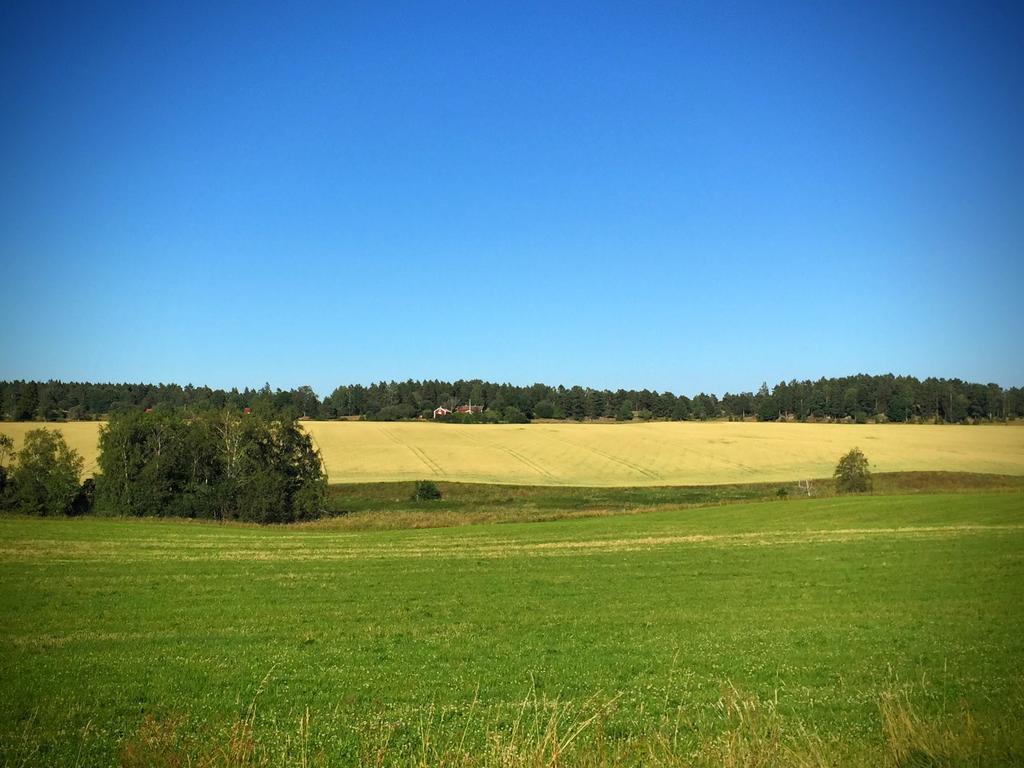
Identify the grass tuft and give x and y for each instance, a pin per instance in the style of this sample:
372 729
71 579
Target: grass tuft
741 732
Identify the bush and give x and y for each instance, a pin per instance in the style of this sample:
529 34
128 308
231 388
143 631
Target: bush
45 475
83 501
852 474
513 415
426 490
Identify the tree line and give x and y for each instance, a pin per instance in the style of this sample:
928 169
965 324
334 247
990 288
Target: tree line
222 465
850 398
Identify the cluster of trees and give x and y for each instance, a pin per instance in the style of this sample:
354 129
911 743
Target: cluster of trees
857 398
76 401
214 464
43 477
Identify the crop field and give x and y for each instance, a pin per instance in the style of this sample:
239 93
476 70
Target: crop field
650 454
80 435
855 631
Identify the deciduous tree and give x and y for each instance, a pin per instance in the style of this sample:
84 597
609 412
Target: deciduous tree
853 474
45 475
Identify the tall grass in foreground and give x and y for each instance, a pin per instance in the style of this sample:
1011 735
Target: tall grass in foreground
744 732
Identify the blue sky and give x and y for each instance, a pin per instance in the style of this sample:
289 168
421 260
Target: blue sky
673 196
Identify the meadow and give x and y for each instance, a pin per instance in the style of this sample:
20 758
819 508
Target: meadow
630 454
879 630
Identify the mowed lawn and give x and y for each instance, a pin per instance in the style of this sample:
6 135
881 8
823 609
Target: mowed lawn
647 454
815 609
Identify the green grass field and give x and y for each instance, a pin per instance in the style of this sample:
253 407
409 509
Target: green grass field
363 506
629 455
862 631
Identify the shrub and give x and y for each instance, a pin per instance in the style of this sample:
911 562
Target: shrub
426 490
852 474
83 501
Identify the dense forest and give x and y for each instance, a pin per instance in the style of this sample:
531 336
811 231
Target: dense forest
849 398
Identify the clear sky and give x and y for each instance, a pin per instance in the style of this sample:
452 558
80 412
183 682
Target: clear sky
665 195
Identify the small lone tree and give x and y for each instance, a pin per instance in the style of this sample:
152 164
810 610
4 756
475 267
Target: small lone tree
852 474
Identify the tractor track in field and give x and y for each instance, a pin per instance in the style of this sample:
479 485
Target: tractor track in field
419 453
432 465
528 463
648 473
346 547
672 447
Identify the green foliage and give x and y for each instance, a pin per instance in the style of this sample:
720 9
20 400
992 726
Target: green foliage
6 449
852 473
27 403
767 407
513 415
900 406
426 490
6 453
394 413
390 505
222 465
84 499
860 397
45 476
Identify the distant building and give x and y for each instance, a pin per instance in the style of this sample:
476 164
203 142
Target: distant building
462 409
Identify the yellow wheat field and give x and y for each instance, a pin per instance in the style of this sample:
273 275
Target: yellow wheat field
80 435
663 453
